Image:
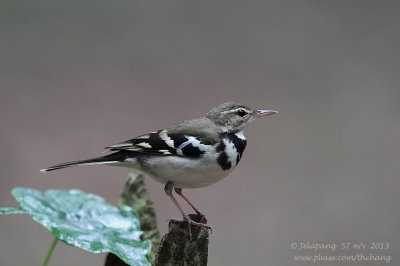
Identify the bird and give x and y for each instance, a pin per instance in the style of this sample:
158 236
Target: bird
191 154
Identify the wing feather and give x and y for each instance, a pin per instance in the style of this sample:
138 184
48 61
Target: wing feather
164 143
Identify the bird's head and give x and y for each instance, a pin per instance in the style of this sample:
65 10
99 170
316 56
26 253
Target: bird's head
233 117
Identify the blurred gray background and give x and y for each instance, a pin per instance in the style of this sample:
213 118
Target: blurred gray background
76 76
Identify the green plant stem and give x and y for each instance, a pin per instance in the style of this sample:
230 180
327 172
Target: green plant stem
50 252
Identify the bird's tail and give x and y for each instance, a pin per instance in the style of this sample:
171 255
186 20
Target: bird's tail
108 159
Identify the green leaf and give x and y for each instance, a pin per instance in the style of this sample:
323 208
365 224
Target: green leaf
87 221
10 210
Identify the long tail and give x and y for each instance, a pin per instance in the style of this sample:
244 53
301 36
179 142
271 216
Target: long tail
108 159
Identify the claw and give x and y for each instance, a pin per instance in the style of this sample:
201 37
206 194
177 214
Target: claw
202 218
190 222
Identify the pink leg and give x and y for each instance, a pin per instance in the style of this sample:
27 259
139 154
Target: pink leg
168 190
199 213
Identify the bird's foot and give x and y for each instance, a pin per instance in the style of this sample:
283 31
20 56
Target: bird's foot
190 220
201 217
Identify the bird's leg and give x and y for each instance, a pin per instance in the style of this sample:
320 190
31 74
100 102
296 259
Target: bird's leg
168 190
199 213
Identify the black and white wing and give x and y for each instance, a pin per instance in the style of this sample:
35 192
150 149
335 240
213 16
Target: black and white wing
163 143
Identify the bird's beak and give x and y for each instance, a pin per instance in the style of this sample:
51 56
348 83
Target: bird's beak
260 113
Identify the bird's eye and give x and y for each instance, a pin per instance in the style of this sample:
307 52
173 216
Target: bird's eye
241 112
